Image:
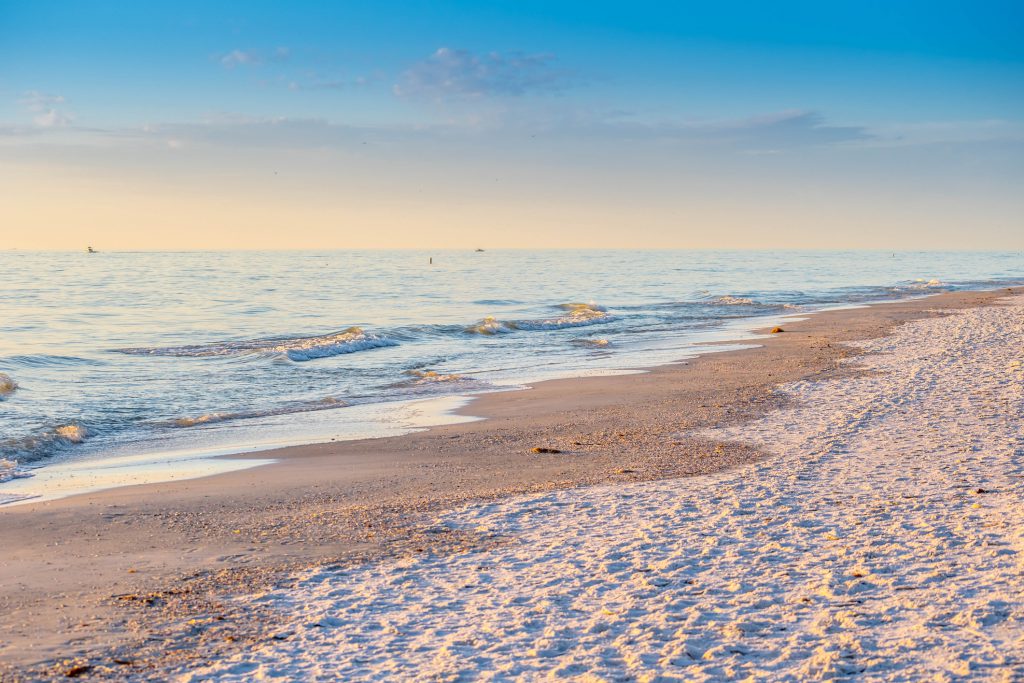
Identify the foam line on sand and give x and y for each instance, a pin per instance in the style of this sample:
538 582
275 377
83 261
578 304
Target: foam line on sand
884 538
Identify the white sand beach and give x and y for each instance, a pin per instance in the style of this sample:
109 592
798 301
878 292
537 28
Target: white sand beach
466 342
884 538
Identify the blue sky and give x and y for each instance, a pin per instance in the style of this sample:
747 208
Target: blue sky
580 117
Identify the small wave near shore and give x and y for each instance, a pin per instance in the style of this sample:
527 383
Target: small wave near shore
298 349
214 417
576 315
27 448
17 452
7 385
213 339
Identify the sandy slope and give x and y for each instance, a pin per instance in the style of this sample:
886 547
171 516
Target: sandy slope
886 538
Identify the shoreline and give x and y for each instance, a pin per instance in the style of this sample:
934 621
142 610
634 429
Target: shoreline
360 500
67 477
124 467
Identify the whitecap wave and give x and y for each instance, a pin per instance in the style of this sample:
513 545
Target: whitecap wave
592 343
36 446
7 385
577 315
72 433
433 377
491 326
215 417
921 283
732 300
298 349
729 300
422 381
348 341
204 419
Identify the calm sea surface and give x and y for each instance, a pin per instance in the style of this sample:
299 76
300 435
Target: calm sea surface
117 353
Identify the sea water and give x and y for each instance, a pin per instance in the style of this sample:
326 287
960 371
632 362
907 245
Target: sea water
118 355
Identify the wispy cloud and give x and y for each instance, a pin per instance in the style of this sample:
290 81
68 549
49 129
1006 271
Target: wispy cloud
782 130
450 73
763 134
48 111
251 133
766 134
942 132
237 57
780 133
319 83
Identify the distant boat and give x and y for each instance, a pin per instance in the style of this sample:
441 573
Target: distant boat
90 250
479 250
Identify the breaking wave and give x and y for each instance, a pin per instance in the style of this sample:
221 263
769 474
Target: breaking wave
576 315
348 341
422 381
490 325
729 300
204 419
921 283
298 349
592 343
7 385
432 377
9 470
27 449
72 433
212 418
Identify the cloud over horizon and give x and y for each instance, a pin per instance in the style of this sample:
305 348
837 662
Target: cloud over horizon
772 132
767 133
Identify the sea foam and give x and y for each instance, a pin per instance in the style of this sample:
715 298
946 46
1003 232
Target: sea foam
432 377
348 340
592 343
207 418
576 315
215 417
72 433
33 447
9 470
729 300
7 385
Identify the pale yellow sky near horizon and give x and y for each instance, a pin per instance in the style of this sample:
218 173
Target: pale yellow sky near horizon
54 207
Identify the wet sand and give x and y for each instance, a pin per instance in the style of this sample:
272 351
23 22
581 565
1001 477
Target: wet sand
130 580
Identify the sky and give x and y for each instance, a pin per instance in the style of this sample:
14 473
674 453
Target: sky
519 124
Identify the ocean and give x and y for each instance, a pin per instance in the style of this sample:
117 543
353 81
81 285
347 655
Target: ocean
112 355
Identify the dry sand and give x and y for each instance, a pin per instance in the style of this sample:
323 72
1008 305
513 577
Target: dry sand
881 542
138 579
